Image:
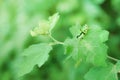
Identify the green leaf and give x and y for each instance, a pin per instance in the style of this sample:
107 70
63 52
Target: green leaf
72 48
53 20
96 53
98 1
118 66
102 73
45 26
103 35
97 34
75 30
89 48
116 5
34 55
67 6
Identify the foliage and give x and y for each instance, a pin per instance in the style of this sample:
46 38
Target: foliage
34 55
59 40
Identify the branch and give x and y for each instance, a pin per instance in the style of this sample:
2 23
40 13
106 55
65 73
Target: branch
55 41
114 59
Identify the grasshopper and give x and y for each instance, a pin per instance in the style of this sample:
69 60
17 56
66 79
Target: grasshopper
83 32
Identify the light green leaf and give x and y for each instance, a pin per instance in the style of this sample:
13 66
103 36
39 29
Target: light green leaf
118 66
75 30
45 26
89 48
67 6
96 53
34 55
97 34
102 73
103 35
53 20
72 48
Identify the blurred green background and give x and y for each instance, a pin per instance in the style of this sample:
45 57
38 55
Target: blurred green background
18 17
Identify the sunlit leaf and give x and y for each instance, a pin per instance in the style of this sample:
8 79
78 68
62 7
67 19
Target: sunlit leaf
102 73
34 55
90 47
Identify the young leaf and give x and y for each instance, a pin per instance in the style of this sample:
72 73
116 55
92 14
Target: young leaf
45 27
53 20
102 73
34 55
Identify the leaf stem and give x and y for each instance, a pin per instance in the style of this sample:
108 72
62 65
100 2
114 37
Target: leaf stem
114 59
55 41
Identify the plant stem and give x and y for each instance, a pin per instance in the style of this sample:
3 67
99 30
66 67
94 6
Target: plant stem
55 41
114 59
